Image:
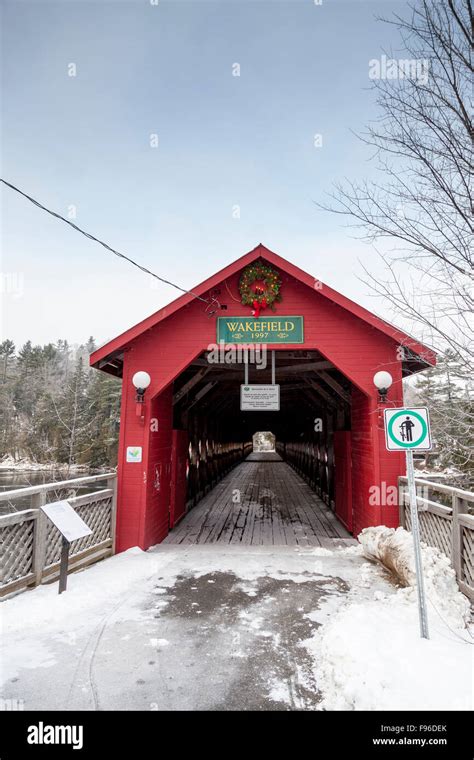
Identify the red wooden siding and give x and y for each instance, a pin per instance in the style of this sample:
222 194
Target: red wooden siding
158 494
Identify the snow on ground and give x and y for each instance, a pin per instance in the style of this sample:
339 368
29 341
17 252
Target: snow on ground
230 627
32 623
89 592
370 656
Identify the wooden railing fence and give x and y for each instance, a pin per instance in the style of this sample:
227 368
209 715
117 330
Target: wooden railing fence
446 522
30 545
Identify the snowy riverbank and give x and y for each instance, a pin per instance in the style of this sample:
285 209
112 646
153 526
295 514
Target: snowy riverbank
27 465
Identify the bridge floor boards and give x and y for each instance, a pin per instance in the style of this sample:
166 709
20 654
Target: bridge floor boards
262 501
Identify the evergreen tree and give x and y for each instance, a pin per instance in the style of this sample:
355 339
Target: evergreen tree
447 392
7 351
54 408
7 408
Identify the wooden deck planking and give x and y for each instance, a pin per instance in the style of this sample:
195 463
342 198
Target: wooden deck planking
276 507
291 496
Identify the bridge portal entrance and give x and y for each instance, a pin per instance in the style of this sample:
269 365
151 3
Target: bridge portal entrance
188 435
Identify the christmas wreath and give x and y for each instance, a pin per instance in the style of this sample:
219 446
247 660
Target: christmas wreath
259 287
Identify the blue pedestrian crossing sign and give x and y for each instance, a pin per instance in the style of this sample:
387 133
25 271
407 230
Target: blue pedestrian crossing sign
407 429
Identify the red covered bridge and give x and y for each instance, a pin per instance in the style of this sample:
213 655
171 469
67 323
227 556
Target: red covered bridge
184 451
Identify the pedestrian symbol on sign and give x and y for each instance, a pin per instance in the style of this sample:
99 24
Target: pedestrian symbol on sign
406 428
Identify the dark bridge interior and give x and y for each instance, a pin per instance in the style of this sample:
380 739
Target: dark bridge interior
315 401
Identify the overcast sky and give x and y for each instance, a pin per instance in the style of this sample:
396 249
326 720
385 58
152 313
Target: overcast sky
83 144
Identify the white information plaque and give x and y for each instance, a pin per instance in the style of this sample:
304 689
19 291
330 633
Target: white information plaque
66 520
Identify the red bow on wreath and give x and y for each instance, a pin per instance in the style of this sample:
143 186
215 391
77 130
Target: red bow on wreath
258 307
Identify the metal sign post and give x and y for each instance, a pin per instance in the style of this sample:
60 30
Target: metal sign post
63 566
71 527
415 529
409 430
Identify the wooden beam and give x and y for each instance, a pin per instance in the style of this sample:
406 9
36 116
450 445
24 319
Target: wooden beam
200 394
321 392
205 363
223 372
292 387
335 386
313 397
305 367
190 384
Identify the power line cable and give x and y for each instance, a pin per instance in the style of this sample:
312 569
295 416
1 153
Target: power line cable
108 247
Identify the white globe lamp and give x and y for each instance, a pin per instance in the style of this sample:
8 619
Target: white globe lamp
141 380
382 381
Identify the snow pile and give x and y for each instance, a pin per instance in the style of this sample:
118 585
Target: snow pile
369 655
394 549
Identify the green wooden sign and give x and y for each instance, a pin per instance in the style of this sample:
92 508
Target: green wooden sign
271 329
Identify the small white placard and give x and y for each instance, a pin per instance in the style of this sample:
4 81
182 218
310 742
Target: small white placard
407 429
134 453
260 398
66 520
